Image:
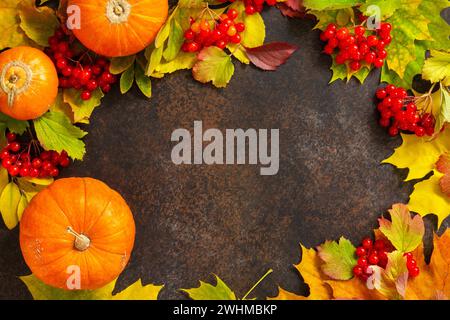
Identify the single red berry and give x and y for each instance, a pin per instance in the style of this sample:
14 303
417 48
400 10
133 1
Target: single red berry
36 163
390 88
236 38
54 172
63 47
333 43
420 132
64 162
378 63
240 26
106 88
342 33
358 271
370 57
232 14
67 71
386 26
360 251
34 172
381 94
45 155
367 243
189 34
360 30
387 40
193 47
221 44
14 146
411 263
92 85
14 170
372 41
10 136
382 54
414 272
47 165
4 154
332 26
250 10
355 65
6 163
85 95
373 258
25 172
362 262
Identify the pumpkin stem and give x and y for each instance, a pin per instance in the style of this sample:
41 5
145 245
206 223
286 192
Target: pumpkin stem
81 242
15 79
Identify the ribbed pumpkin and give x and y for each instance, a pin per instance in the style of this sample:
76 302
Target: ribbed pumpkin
77 222
28 83
115 28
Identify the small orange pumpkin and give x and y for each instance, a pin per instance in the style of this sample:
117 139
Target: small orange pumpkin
77 224
116 28
28 83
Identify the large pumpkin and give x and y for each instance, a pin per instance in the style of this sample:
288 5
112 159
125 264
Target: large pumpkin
116 28
77 224
28 83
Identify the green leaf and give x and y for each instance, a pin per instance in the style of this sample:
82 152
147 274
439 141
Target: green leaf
387 7
213 65
82 109
55 132
23 203
163 33
238 52
409 26
438 27
176 38
136 291
126 80
29 187
437 67
345 16
16 126
339 259
143 82
9 200
207 291
120 64
329 5
184 60
154 60
38 23
405 233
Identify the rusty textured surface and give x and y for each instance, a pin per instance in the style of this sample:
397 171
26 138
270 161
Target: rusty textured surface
196 220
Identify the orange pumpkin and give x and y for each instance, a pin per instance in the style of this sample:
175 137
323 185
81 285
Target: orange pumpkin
28 83
77 224
116 28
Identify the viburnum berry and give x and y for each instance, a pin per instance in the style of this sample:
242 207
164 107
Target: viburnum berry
18 161
215 32
77 70
357 47
399 113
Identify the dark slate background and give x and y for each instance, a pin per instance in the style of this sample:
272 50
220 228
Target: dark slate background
193 221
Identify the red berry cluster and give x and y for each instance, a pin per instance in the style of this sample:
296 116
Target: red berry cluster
411 264
399 113
201 35
375 254
370 254
77 70
16 158
361 46
253 6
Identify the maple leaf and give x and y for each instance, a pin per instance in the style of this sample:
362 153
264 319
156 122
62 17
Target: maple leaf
213 65
443 166
310 269
12 33
433 282
82 109
428 198
405 233
329 5
339 259
136 291
270 56
207 291
419 155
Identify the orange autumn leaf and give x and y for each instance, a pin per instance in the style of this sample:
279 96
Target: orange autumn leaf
354 289
443 166
433 282
309 268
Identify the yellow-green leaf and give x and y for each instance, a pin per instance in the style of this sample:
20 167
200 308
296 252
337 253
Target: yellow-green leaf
213 65
207 291
183 60
38 23
437 67
9 200
12 34
120 64
339 259
154 60
174 42
137 291
126 80
329 5
238 52
4 178
82 109
143 82
405 233
23 203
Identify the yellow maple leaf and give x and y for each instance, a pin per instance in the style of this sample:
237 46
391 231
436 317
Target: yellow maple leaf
433 282
353 289
309 268
428 198
419 155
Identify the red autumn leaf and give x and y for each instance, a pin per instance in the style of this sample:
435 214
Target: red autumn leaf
289 12
443 166
271 55
296 5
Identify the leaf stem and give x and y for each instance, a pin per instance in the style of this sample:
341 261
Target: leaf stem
257 283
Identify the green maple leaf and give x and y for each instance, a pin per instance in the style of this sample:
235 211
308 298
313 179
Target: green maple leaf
136 291
438 27
213 65
207 291
339 259
405 233
55 132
